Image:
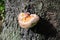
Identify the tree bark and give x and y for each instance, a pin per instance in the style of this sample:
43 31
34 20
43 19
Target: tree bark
48 27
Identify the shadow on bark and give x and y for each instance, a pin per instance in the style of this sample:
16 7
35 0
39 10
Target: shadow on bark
1 24
45 28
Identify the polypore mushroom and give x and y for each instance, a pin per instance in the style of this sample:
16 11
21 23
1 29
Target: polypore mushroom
27 20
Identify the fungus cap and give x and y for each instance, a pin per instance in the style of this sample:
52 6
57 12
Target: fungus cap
27 20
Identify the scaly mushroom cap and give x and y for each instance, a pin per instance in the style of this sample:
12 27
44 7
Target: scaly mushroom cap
27 20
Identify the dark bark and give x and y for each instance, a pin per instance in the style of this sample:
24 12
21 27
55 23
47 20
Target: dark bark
47 28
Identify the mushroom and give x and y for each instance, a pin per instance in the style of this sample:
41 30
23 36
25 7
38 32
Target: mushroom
27 20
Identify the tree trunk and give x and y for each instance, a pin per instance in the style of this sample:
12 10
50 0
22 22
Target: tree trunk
46 29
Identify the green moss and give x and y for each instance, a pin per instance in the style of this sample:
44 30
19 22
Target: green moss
2 9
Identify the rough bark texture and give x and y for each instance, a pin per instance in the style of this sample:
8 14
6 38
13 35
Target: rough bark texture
48 27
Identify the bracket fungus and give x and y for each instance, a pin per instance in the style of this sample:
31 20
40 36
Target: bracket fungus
27 20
